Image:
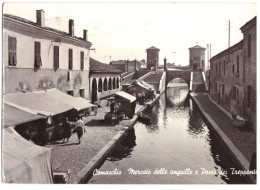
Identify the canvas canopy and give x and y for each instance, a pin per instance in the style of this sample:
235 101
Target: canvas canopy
37 103
23 161
76 102
13 116
126 96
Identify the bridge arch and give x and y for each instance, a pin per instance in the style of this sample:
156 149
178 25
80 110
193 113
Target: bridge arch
172 74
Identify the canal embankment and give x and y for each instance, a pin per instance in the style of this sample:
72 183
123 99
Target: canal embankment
100 138
239 143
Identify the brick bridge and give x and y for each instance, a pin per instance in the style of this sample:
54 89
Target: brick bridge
184 74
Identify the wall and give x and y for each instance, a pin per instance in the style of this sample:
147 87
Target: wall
152 55
229 79
250 72
24 77
197 56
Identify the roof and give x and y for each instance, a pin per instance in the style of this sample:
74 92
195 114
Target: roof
153 48
46 28
13 116
197 47
23 161
144 85
232 49
76 102
98 67
36 102
126 96
119 62
249 24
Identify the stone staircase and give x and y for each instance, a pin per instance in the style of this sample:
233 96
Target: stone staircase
198 84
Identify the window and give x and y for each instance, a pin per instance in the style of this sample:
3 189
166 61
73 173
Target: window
249 45
237 64
223 89
100 86
56 57
233 68
37 50
81 60
114 83
224 67
216 87
12 60
70 92
82 93
70 59
109 84
219 68
117 82
105 84
234 93
248 96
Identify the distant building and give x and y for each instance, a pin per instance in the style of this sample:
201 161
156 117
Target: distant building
197 58
152 57
126 65
105 80
233 75
37 57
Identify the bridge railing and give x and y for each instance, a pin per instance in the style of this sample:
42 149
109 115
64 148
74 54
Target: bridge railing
191 80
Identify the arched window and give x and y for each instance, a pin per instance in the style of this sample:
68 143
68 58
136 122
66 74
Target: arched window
114 83
109 84
117 82
100 86
105 85
94 90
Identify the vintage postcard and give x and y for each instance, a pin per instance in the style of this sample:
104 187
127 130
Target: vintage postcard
129 93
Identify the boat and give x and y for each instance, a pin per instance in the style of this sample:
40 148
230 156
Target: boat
238 121
144 118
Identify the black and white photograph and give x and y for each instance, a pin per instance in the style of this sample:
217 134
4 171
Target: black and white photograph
129 92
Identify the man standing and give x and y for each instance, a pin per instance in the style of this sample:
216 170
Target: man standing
80 127
66 130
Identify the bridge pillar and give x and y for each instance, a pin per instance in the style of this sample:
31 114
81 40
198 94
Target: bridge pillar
164 64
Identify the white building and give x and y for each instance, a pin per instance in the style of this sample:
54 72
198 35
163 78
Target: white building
37 57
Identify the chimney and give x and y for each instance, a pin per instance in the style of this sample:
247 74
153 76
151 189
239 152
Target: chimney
40 18
165 67
135 68
71 27
85 35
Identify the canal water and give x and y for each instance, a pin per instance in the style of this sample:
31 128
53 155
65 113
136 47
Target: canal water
177 148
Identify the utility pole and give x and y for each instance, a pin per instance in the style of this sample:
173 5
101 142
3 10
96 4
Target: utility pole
228 33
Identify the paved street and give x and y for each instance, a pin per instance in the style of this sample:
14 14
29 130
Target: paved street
74 156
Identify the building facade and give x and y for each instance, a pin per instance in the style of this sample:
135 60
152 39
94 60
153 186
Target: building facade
105 80
152 57
36 57
197 58
233 76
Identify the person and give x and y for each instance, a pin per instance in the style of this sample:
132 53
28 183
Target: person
80 127
66 130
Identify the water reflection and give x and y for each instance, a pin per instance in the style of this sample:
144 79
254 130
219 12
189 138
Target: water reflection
177 139
124 149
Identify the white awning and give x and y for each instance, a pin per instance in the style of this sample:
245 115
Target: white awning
127 96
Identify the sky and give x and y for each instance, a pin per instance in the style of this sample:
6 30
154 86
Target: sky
125 30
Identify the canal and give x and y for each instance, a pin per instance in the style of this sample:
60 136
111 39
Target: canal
177 148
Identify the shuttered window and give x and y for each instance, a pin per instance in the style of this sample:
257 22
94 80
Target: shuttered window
12 60
70 59
82 60
56 57
37 51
